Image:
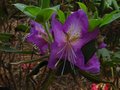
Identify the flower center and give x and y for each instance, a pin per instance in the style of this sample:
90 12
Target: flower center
73 33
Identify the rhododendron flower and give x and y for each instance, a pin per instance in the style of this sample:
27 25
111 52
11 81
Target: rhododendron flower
68 41
38 36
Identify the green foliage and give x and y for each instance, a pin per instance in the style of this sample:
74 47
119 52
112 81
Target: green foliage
83 7
104 53
61 16
92 78
117 55
22 28
7 49
30 11
108 18
45 3
93 23
44 15
6 37
33 10
29 61
37 68
40 15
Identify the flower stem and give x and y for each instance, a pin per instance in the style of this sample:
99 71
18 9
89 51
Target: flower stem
48 33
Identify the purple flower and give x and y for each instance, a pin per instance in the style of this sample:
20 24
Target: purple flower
68 41
102 45
37 36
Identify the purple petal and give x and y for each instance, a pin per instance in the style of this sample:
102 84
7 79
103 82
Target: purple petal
36 26
77 22
102 45
87 37
57 30
53 57
35 37
93 65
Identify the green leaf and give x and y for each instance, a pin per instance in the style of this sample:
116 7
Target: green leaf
48 80
20 6
88 50
83 7
92 78
40 15
30 11
108 18
37 68
115 4
45 14
45 3
29 61
8 49
22 28
111 63
104 53
108 3
93 23
33 10
61 16
117 55
6 37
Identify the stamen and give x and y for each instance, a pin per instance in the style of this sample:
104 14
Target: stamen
64 64
62 49
69 55
61 56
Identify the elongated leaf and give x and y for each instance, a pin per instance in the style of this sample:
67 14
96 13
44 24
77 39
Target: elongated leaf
6 37
45 3
111 63
108 18
8 49
61 16
33 10
30 11
93 23
22 28
45 14
93 78
40 15
83 7
115 4
29 61
37 68
117 55
21 7
48 80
